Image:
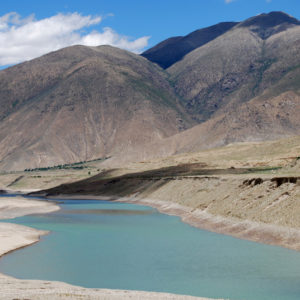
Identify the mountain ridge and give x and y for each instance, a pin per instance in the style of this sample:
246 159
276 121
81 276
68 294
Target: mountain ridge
236 66
81 103
171 50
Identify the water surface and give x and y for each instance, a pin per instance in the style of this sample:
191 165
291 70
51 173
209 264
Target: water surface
124 246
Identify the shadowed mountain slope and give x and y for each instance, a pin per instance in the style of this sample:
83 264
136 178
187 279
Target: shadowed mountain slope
174 49
81 103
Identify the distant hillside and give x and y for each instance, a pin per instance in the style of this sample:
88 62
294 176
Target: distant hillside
81 103
241 86
174 49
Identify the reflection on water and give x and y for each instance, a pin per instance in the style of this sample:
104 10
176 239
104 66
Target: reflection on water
125 246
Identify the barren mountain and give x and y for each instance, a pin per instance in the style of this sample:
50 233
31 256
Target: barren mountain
239 65
234 83
175 48
261 119
242 86
82 103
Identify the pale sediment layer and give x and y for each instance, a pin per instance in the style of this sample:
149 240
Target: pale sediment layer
13 236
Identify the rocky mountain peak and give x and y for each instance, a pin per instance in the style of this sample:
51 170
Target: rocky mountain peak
174 49
265 25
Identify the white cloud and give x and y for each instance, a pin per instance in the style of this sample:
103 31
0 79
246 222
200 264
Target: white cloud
228 1
110 37
27 38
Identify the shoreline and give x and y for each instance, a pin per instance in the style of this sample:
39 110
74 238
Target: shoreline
269 234
243 229
14 237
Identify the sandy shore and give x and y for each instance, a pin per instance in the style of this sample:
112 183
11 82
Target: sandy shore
12 207
51 290
13 236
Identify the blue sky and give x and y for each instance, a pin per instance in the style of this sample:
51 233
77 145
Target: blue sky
130 24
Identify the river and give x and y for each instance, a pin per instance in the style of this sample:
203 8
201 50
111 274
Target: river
115 245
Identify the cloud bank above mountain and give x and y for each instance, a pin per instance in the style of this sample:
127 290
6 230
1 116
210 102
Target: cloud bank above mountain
22 39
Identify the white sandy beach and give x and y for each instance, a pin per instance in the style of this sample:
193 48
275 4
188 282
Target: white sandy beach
13 236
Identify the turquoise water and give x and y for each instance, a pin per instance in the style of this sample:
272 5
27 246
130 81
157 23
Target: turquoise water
125 246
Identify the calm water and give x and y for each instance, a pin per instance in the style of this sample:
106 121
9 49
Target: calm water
124 246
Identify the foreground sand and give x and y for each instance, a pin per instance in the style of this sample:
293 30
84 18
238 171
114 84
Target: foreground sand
13 236
51 290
